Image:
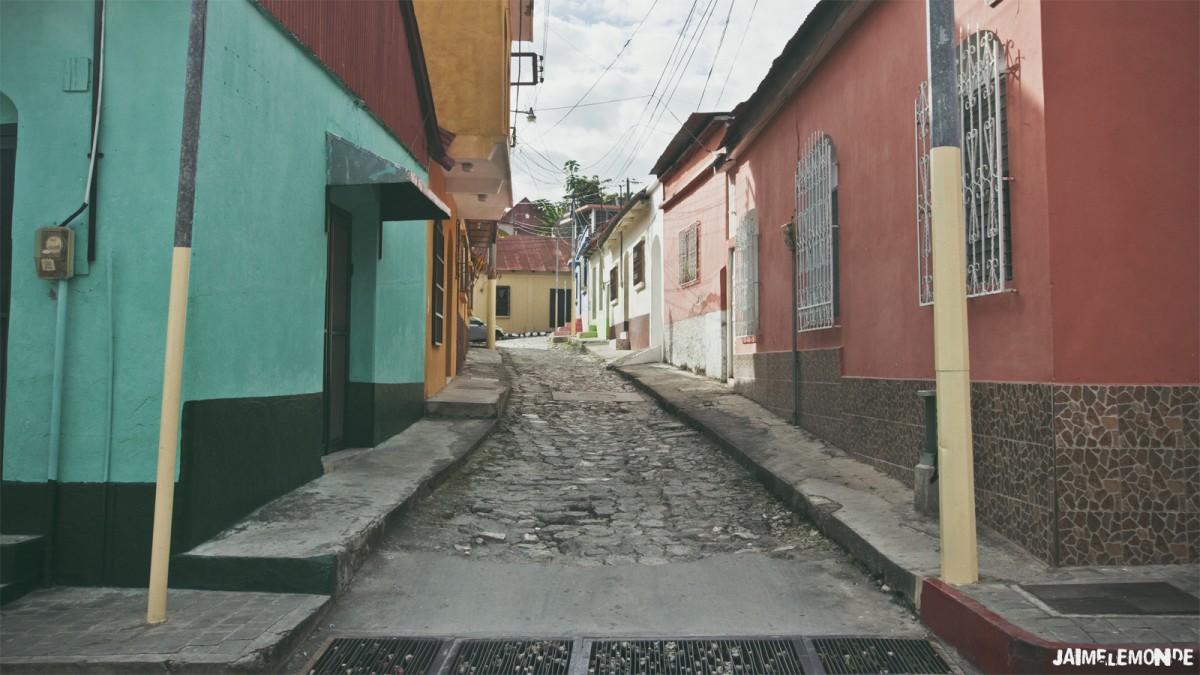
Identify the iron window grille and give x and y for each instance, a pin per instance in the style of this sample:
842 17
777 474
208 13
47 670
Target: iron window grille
614 281
439 284
689 254
816 235
745 277
503 296
986 214
639 262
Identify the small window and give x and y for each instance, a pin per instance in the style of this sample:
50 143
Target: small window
689 254
503 294
614 281
639 262
439 284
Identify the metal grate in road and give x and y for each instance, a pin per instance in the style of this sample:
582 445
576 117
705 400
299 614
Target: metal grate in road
854 656
694 657
398 656
523 657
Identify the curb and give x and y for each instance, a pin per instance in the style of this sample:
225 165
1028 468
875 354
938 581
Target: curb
995 645
823 514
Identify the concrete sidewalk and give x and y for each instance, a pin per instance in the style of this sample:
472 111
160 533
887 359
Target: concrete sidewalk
265 582
997 625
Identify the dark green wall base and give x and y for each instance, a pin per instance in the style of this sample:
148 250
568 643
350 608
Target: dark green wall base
236 455
103 530
376 412
240 453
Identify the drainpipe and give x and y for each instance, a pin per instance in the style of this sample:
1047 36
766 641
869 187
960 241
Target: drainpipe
56 398
491 297
959 551
181 262
63 290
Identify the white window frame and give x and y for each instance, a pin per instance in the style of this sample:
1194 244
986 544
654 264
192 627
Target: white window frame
816 267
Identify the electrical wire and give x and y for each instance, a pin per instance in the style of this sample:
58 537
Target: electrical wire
716 54
738 52
608 67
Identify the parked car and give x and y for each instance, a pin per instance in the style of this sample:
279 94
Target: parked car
477 332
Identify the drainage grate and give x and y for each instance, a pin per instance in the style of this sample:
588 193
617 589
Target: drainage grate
1144 597
377 655
524 657
694 657
853 656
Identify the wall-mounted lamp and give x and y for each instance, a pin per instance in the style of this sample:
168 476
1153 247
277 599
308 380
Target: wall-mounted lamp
530 116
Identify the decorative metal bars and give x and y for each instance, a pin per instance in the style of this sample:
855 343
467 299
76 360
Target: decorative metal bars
988 240
924 205
816 178
689 254
745 277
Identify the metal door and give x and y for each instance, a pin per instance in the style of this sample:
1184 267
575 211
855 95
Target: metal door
337 328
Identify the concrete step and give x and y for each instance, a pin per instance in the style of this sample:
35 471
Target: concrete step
314 539
481 397
20 565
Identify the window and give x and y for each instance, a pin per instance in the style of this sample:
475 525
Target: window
986 213
689 254
503 294
439 284
614 282
745 277
639 262
816 235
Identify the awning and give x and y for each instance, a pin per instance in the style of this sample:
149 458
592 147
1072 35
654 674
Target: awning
402 195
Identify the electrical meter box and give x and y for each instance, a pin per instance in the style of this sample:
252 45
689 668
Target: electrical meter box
55 252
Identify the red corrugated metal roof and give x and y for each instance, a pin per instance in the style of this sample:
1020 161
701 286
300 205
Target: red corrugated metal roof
371 46
525 253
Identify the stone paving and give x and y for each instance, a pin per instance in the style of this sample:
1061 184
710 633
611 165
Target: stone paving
92 630
606 479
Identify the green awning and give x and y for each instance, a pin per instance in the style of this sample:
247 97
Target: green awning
402 194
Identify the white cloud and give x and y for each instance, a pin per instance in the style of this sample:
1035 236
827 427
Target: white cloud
622 139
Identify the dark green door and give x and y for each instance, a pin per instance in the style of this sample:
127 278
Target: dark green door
337 329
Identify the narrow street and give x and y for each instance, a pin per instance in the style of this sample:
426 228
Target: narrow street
604 517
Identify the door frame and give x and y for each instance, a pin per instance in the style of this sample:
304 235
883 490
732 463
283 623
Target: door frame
336 217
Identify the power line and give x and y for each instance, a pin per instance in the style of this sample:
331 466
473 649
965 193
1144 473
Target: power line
738 52
608 67
720 43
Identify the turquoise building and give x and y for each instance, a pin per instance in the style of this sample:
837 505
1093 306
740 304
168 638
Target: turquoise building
306 323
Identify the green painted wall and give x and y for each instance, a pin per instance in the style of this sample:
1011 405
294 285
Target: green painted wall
257 298
140 132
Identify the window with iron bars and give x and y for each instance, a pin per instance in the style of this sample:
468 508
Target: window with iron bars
986 213
817 235
614 282
689 254
745 277
438 301
639 262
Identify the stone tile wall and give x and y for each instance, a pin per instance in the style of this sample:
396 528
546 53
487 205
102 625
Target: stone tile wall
1076 475
1128 474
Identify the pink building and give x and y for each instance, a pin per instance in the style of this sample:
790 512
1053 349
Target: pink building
1082 156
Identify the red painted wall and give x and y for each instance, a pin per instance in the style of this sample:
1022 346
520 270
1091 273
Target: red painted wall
686 202
862 96
1123 145
365 44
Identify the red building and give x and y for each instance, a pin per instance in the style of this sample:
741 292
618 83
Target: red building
1082 164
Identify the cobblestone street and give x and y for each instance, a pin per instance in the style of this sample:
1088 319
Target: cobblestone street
608 480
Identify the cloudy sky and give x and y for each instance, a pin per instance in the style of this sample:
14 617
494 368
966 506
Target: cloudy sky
665 58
